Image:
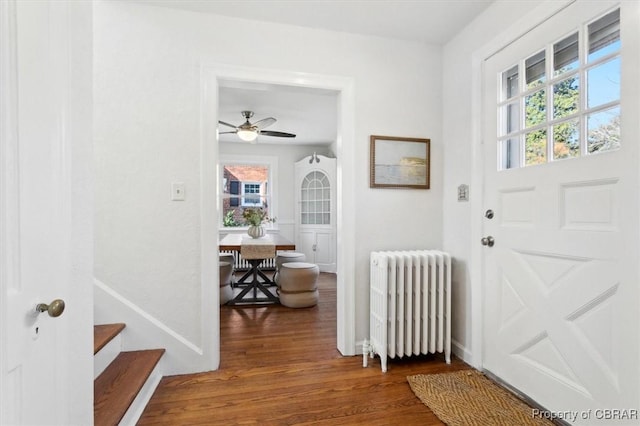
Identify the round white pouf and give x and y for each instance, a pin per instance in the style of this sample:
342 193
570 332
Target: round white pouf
226 293
297 284
286 257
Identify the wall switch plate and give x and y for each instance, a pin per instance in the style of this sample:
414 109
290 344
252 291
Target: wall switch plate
463 192
177 191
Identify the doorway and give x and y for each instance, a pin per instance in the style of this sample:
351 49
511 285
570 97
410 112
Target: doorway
345 294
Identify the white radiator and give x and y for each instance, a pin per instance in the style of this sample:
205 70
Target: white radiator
242 265
410 305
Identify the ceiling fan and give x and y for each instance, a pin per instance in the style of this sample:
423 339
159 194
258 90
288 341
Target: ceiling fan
249 131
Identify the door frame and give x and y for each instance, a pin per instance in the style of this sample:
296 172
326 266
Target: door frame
211 76
511 33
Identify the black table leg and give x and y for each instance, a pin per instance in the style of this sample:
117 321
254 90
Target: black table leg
255 285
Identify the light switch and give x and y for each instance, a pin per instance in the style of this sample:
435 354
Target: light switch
463 192
177 191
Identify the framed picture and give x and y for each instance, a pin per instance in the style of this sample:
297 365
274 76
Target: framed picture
399 162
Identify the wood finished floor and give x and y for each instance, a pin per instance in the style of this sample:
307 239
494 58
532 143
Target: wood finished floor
279 366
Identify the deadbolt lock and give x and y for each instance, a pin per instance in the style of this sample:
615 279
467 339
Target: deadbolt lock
488 241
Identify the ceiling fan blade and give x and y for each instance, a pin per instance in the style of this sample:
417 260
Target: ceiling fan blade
224 133
227 124
278 134
265 122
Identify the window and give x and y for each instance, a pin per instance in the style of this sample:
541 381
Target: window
567 104
315 198
252 194
246 181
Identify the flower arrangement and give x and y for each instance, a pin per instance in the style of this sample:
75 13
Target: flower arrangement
255 216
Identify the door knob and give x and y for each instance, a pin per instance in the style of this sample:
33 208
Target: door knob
488 241
489 214
54 309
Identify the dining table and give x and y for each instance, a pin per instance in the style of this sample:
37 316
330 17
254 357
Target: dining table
255 251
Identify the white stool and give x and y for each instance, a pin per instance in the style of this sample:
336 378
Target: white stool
286 257
297 284
228 257
226 293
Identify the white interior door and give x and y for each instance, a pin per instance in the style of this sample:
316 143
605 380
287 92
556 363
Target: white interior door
561 279
47 362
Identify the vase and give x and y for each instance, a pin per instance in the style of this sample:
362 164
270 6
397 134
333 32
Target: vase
255 231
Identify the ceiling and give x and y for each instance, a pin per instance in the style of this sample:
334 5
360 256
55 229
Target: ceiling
311 114
427 21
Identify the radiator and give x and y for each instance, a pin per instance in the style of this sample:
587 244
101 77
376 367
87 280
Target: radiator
410 305
242 265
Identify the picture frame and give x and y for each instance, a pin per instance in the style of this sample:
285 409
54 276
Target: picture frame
397 162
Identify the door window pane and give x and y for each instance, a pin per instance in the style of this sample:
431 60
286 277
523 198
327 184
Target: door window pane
603 130
511 118
566 55
603 83
510 153
535 108
566 97
566 139
535 69
604 35
510 83
535 148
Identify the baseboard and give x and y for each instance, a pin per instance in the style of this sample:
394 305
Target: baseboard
456 348
461 352
143 331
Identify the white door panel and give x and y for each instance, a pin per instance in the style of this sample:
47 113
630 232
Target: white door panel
306 241
323 248
46 362
561 281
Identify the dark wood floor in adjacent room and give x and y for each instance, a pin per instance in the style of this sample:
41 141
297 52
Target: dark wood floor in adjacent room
279 366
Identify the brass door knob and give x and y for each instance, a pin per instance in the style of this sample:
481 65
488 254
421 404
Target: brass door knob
54 309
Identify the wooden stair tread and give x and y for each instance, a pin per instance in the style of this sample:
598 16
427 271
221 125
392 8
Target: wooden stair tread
102 334
116 388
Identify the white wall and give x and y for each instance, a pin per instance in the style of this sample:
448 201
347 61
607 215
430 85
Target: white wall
460 226
287 156
147 135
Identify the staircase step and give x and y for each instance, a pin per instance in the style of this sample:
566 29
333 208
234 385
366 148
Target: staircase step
102 334
117 387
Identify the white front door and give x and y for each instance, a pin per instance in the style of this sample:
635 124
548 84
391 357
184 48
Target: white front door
561 278
46 217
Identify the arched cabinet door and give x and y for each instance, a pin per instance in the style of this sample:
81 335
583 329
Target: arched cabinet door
315 210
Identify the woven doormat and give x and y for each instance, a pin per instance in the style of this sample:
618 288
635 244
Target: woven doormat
468 398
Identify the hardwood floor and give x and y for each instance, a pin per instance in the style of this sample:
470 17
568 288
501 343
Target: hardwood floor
279 366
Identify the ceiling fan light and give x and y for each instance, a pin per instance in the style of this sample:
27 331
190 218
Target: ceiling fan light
247 135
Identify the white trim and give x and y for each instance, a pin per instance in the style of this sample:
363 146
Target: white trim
9 206
461 352
476 267
144 331
212 74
